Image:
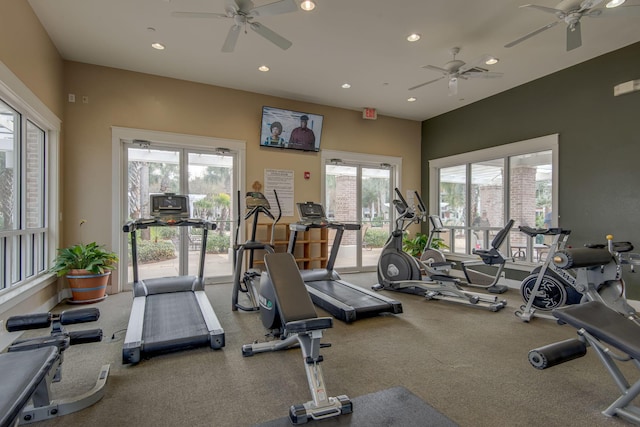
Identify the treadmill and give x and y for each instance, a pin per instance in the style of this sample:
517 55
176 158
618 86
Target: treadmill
328 291
169 313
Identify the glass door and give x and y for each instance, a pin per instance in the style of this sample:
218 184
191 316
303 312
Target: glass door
207 178
357 193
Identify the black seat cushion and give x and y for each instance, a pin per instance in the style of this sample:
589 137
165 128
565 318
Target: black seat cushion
21 372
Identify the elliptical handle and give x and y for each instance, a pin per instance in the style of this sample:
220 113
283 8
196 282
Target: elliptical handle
421 205
402 199
275 221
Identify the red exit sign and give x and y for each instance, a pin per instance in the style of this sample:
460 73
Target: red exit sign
369 114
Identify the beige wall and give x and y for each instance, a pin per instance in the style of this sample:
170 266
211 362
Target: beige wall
25 48
129 99
27 51
134 100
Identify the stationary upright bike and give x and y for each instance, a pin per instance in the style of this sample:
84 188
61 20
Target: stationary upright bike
246 282
551 285
401 272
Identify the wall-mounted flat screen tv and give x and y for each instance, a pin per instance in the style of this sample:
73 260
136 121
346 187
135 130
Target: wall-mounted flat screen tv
290 129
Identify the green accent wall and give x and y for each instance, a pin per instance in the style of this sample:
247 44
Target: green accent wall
599 134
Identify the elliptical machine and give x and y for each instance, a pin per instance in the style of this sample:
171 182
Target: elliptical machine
401 272
246 282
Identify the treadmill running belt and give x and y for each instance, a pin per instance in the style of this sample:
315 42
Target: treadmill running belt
173 320
360 301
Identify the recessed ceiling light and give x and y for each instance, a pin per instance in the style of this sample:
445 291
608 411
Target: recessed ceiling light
158 46
346 86
307 5
412 99
491 61
615 3
263 68
413 37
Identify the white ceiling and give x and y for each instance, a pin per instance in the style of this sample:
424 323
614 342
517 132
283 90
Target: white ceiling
362 42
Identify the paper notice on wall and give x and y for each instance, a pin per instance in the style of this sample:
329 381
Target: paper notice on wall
282 182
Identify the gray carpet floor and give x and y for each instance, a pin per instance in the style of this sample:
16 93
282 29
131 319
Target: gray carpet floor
469 364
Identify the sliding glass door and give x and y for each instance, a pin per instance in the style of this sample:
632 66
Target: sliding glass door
359 193
207 177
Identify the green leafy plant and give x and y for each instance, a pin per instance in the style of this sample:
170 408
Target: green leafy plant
415 246
91 257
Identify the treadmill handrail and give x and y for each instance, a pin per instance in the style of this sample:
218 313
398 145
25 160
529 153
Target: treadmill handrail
143 223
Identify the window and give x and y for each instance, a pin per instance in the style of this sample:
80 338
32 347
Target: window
476 193
23 195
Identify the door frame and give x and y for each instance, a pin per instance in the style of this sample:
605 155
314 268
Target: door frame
361 160
120 135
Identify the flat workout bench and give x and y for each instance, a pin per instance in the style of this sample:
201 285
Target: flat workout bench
301 327
24 375
604 330
31 365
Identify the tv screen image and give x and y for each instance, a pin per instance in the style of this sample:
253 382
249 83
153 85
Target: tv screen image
290 129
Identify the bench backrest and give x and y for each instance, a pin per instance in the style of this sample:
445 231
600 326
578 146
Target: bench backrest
292 297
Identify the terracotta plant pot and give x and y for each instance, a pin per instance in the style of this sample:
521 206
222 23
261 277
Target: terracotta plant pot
87 287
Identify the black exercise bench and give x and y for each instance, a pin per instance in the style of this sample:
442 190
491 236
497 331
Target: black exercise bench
301 327
608 333
31 365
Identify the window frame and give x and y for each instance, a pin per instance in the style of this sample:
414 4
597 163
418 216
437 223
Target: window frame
18 96
506 151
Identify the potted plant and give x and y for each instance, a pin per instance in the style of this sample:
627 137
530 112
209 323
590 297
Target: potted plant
87 268
415 246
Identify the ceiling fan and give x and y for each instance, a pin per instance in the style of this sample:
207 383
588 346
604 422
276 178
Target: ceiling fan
571 11
243 12
456 69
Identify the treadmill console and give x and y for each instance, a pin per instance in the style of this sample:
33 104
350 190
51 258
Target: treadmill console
312 214
169 206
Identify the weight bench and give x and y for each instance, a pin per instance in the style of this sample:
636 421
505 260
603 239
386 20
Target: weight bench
31 365
608 333
301 327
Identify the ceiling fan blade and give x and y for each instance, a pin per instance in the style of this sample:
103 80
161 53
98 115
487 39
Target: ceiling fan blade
276 8
531 34
424 84
574 36
559 13
434 68
471 65
232 38
244 6
270 35
486 75
588 4
453 86
198 15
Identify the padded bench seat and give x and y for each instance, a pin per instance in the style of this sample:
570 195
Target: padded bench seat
604 324
22 373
